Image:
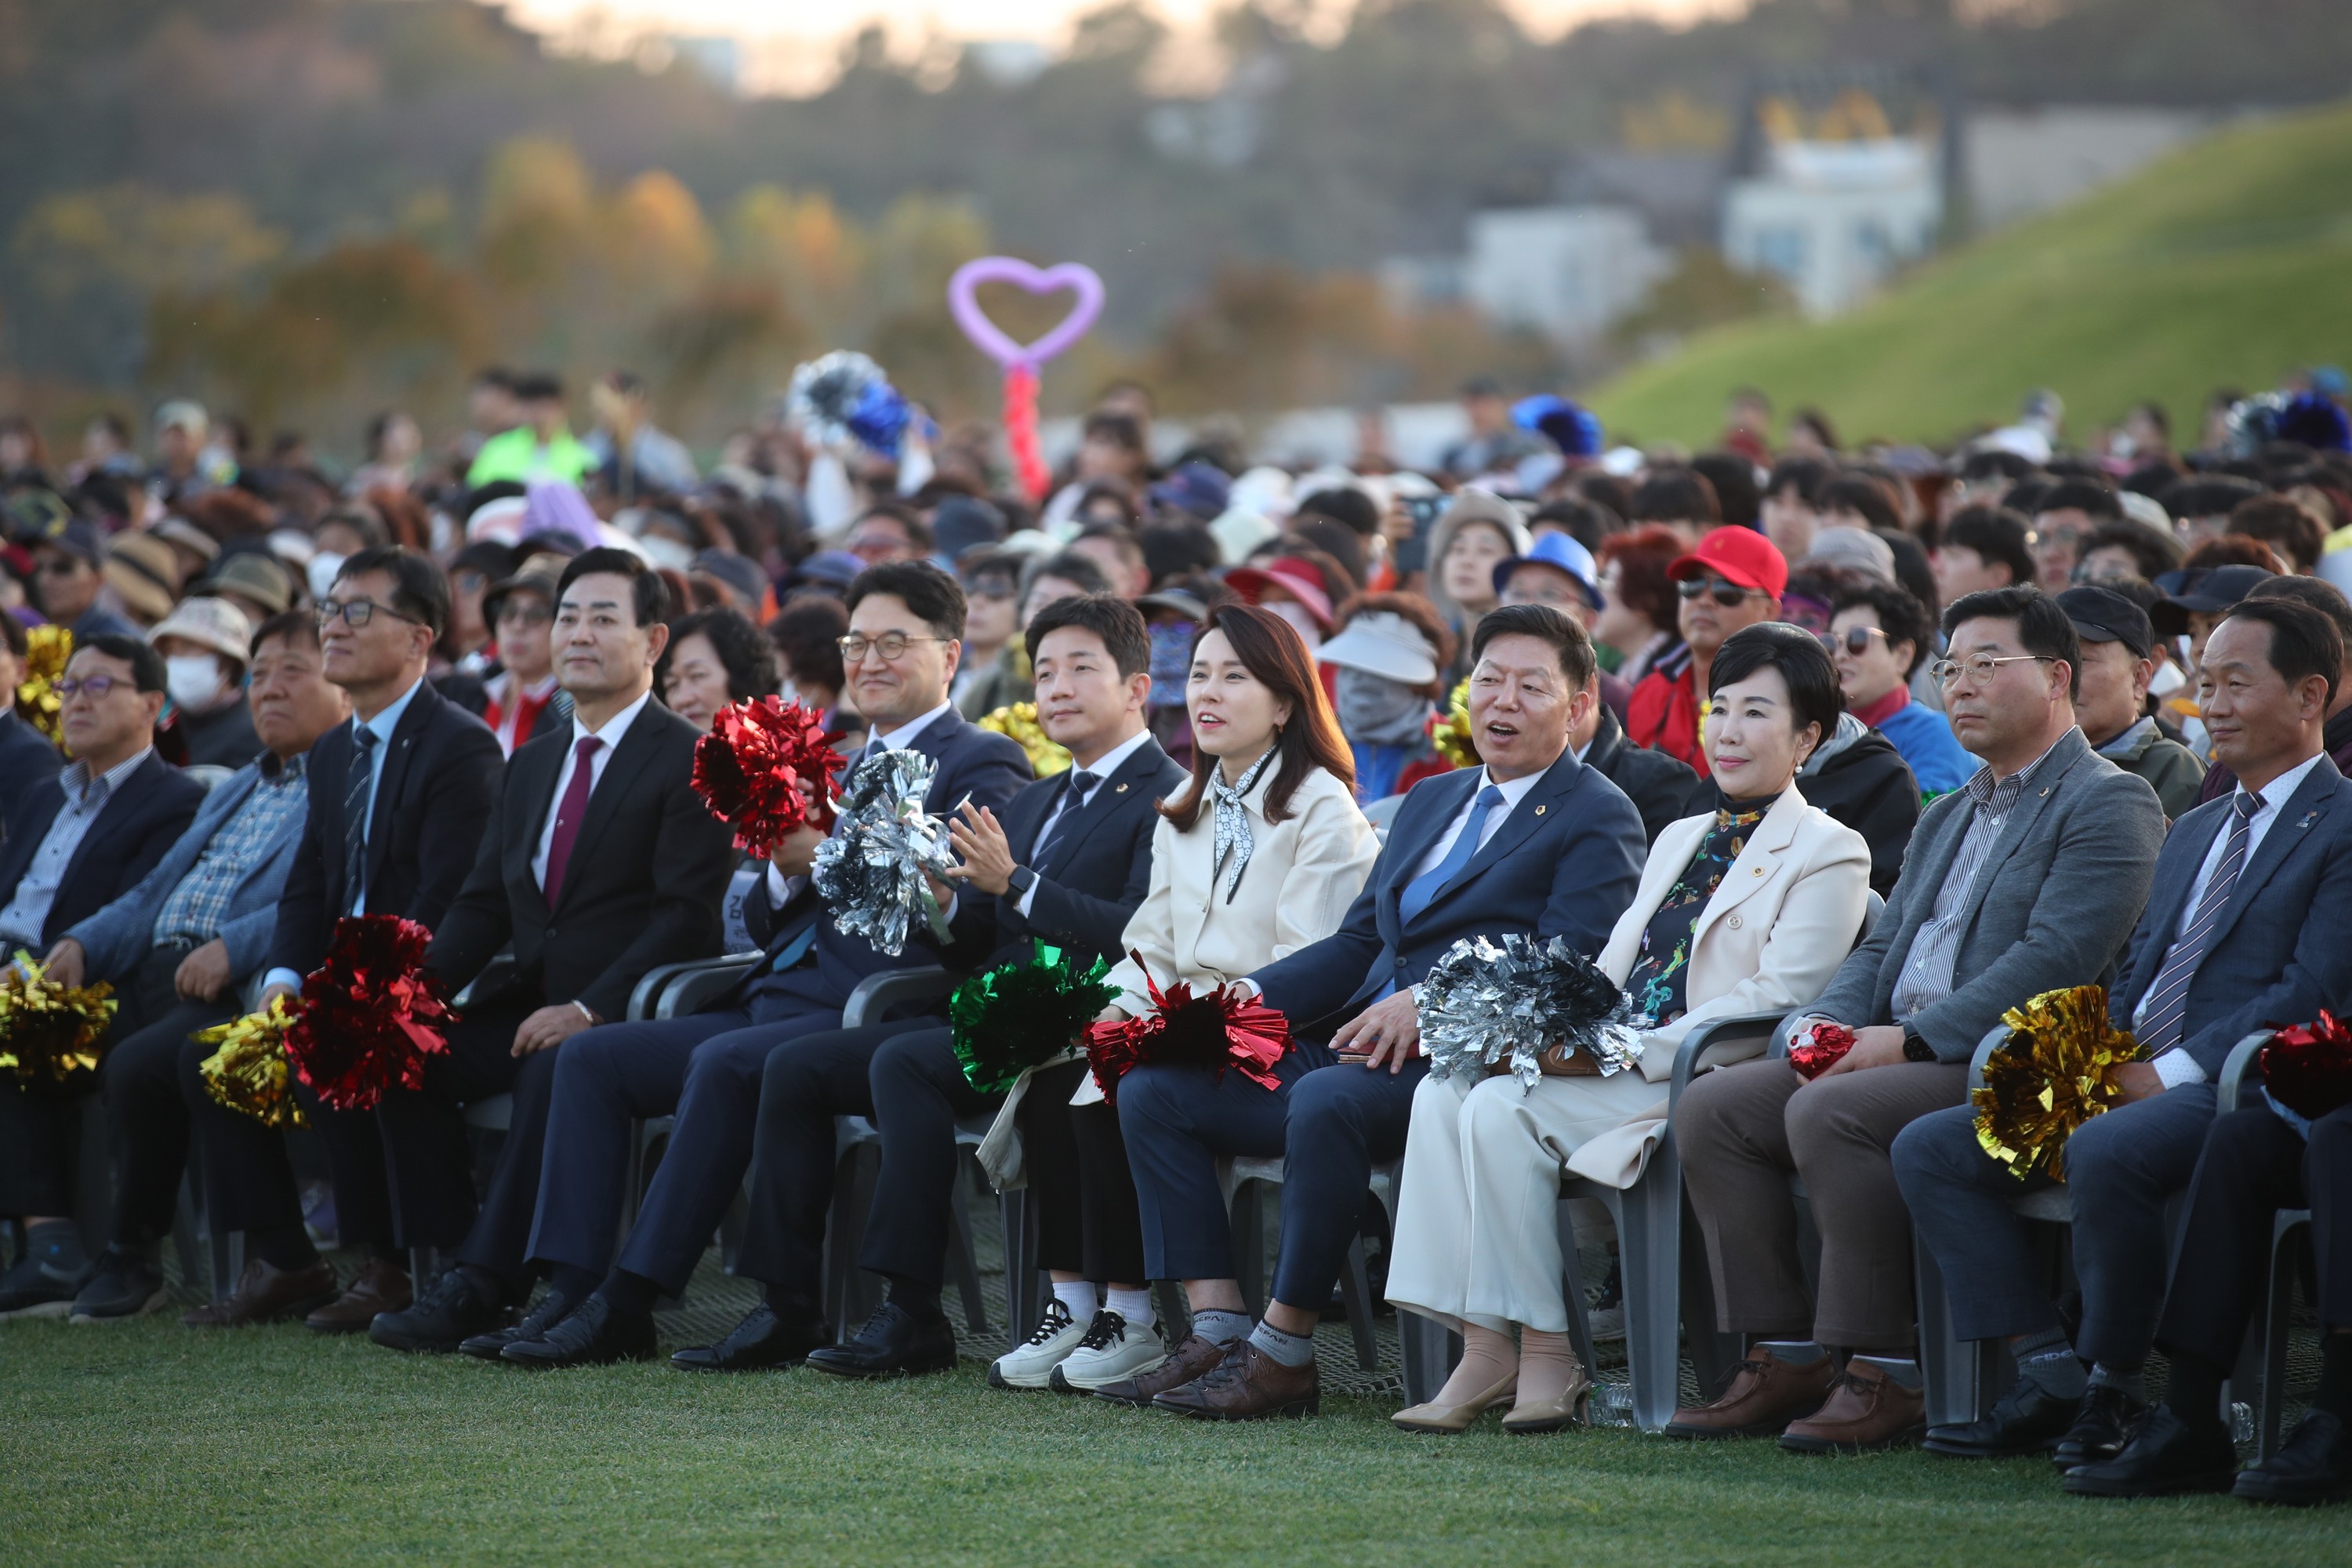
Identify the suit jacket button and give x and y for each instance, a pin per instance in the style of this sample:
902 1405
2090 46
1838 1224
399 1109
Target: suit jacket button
1733 922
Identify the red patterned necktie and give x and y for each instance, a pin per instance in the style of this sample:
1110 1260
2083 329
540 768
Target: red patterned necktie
568 813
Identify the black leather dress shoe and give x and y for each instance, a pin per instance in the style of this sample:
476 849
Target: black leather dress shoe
2102 1429
2313 1466
761 1339
2165 1457
2028 1419
534 1326
893 1344
451 1310
591 1334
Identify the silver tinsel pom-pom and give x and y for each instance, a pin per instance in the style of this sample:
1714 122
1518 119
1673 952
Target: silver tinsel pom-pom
1495 1001
870 872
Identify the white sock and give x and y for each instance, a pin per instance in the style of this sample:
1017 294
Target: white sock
1079 1296
1135 1306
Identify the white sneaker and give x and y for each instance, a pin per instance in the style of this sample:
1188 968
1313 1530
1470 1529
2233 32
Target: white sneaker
1032 1362
1110 1352
1607 1323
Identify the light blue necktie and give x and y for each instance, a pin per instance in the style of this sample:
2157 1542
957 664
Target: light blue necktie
1422 890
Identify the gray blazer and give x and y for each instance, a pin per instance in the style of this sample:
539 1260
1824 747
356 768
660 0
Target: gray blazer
118 936
2052 905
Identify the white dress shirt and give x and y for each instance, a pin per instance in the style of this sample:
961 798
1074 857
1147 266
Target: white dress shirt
615 729
1514 791
782 888
2178 1067
1109 763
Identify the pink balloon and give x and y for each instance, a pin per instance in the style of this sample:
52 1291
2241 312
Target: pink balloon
990 338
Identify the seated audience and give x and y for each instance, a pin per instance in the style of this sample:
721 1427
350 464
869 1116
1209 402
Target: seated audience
205 644
1731 579
1879 636
1386 655
712 660
2118 660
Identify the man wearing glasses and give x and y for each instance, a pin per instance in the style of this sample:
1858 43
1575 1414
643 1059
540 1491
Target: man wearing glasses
2027 879
399 797
107 820
1733 579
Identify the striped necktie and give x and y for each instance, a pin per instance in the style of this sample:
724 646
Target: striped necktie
2163 1023
358 795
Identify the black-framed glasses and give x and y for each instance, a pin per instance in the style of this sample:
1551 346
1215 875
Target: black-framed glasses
891 646
1730 595
524 612
357 612
97 685
1856 641
1979 669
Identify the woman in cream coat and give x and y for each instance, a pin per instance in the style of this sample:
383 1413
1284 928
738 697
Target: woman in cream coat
1260 855
1746 910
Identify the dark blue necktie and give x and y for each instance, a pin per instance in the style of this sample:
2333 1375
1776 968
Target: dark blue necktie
358 795
1074 800
1422 890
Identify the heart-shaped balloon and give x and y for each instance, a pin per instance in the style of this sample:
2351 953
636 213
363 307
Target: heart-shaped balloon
963 299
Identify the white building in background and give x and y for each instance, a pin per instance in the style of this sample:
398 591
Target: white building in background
1569 272
1834 218
2021 161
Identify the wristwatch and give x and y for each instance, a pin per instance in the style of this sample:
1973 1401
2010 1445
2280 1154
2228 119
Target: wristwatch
1021 881
1915 1047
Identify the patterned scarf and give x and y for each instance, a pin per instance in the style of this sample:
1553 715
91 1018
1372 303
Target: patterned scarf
1233 820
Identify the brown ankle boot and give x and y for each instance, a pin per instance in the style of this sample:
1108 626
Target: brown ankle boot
1764 1395
1867 1412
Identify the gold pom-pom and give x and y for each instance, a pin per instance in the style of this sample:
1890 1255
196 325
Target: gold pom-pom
1452 733
250 1071
48 650
2057 1070
1019 723
49 1033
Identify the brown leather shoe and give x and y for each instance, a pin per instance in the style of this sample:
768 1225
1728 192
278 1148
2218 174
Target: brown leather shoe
1867 1412
1247 1386
1192 1357
266 1295
380 1285
1764 1395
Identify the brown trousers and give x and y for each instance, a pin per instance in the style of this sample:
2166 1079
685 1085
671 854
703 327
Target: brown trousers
1742 1132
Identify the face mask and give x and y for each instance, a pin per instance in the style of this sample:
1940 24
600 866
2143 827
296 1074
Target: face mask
665 552
1376 711
192 681
1300 622
322 570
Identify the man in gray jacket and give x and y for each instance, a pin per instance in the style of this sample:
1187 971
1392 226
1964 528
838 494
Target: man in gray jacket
180 946
2027 879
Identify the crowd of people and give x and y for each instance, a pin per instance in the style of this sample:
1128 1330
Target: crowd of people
1885 739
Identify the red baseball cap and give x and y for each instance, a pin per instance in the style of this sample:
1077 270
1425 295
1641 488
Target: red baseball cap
1295 578
1739 555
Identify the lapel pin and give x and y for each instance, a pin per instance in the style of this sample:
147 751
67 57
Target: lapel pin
1539 811
1118 789
2307 817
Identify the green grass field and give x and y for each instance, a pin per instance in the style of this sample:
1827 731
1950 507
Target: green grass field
2226 263
147 1443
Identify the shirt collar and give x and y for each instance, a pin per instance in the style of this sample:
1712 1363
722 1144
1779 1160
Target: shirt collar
2280 790
616 727
1998 796
388 718
2122 744
1110 762
904 736
1886 708
282 770
1514 790
79 786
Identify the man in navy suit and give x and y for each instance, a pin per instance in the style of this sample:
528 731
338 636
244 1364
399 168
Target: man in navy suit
398 798
86 840
1067 867
2243 929
28 762
1535 842
906 623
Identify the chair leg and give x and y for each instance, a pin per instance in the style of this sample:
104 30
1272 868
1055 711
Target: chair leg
1175 1323
1249 1245
967 1268
1712 1352
184 1220
2272 1410
1649 1255
1952 1370
1024 1297
1356 1293
1572 1284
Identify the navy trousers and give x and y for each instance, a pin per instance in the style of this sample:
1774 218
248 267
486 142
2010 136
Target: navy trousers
2122 1168
428 1159
2253 1165
1332 1122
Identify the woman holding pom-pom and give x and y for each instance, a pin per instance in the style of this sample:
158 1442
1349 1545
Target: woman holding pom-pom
1746 910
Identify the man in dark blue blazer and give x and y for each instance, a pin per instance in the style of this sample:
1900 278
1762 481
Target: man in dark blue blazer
28 762
905 626
1067 867
2243 929
398 798
1533 842
86 840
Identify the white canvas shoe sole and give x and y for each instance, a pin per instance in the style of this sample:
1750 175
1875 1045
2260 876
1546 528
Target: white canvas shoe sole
1032 1366
1087 1370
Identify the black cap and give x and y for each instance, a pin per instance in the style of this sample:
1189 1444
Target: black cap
2102 614
2207 591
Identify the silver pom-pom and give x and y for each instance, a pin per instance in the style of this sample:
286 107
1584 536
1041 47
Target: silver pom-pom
870 872
844 401
1494 1001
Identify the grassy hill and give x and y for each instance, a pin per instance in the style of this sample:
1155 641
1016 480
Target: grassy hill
2228 263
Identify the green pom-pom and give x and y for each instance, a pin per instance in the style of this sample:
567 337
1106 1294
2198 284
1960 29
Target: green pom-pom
1018 1015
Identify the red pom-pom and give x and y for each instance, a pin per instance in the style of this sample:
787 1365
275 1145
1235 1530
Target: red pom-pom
1821 1052
2308 1069
1226 1027
371 1013
752 768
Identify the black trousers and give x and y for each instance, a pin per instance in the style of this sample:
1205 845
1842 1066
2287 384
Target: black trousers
903 1076
428 1159
1088 1223
147 1122
2253 1165
248 1180
40 1130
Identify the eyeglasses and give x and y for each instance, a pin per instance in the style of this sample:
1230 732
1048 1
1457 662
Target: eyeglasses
62 565
1855 639
1729 594
357 612
528 614
1979 669
891 646
97 685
